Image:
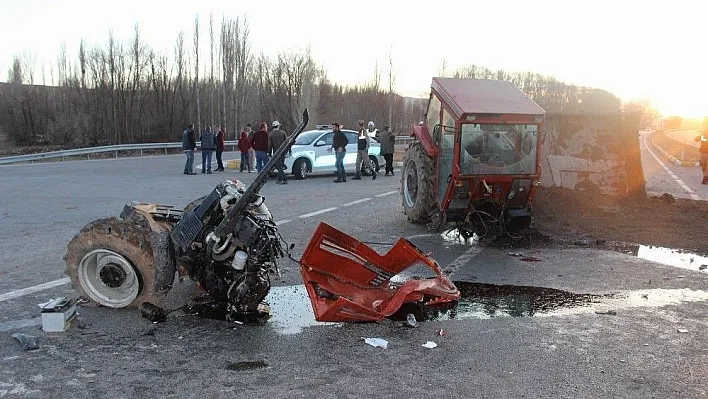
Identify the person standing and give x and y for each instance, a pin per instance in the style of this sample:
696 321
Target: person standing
260 145
189 145
371 130
219 148
252 152
339 145
244 145
275 139
703 139
208 140
388 147
362 152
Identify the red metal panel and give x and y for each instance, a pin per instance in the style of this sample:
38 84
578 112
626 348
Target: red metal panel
348 281
425 139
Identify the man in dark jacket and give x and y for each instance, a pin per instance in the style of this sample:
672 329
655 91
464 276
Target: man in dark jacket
260 145
339 145
275 139
703 139
189 145
388 147
219 148
208 139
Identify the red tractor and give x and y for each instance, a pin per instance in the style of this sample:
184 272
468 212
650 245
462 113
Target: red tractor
476 158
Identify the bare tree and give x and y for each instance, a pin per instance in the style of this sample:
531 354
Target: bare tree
196 72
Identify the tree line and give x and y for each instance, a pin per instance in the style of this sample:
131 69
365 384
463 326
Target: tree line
128 92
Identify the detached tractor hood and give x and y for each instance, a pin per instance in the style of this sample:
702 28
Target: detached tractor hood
484 96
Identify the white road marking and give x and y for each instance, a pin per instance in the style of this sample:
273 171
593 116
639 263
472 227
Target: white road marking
386 193
31 290
279 222
359 201
315 213
462 260
683 185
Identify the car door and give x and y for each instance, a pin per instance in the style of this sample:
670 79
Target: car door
324 156
350 158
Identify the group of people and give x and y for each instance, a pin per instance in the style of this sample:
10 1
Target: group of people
263 144
340 142
212 139
255 147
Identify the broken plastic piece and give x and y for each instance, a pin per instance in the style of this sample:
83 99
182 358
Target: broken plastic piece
28 342
440 332
682 330
376 342
411 321
516 254
348 281
430 345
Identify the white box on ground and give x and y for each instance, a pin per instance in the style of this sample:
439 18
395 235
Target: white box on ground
58 314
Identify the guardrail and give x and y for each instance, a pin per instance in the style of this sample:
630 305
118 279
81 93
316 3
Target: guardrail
61 154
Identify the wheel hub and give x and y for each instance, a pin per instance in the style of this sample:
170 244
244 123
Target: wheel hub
112 275
410 190
108 278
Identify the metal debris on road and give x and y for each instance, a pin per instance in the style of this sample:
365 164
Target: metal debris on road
440 332
607 312
516 254
430 345
702 267
682 330
152 312
531 259
28 342
376 342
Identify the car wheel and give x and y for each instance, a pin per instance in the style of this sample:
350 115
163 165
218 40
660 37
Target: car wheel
300 168
374 163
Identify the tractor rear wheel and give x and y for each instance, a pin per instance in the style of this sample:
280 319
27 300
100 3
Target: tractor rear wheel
418 187
115 262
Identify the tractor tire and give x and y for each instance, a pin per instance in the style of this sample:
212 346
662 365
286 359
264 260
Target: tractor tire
418 189
118 263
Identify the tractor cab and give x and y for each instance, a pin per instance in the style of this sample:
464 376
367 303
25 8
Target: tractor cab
476 158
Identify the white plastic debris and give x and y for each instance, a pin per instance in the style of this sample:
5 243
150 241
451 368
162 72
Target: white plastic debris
376 342
682 330
430 345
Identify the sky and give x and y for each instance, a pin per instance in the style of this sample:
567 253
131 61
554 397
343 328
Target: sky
638 50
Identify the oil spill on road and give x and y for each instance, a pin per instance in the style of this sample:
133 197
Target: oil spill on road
291 309
486 301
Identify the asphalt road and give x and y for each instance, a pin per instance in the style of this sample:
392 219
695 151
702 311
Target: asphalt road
509 339
662 176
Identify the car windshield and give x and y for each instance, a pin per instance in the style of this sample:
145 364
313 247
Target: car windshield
500 149
306 138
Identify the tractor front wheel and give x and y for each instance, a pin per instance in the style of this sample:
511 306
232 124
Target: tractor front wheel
418 184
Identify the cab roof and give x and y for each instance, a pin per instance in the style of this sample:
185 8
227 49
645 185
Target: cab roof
484 96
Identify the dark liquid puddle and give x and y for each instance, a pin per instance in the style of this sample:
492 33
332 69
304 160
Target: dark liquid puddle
291 310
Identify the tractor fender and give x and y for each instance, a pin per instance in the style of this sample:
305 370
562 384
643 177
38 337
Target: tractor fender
420 132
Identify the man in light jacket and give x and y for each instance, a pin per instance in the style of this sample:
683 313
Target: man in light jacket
362 152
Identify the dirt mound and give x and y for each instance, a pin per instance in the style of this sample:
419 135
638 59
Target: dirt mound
661 221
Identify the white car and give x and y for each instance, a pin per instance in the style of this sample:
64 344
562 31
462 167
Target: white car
312 153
